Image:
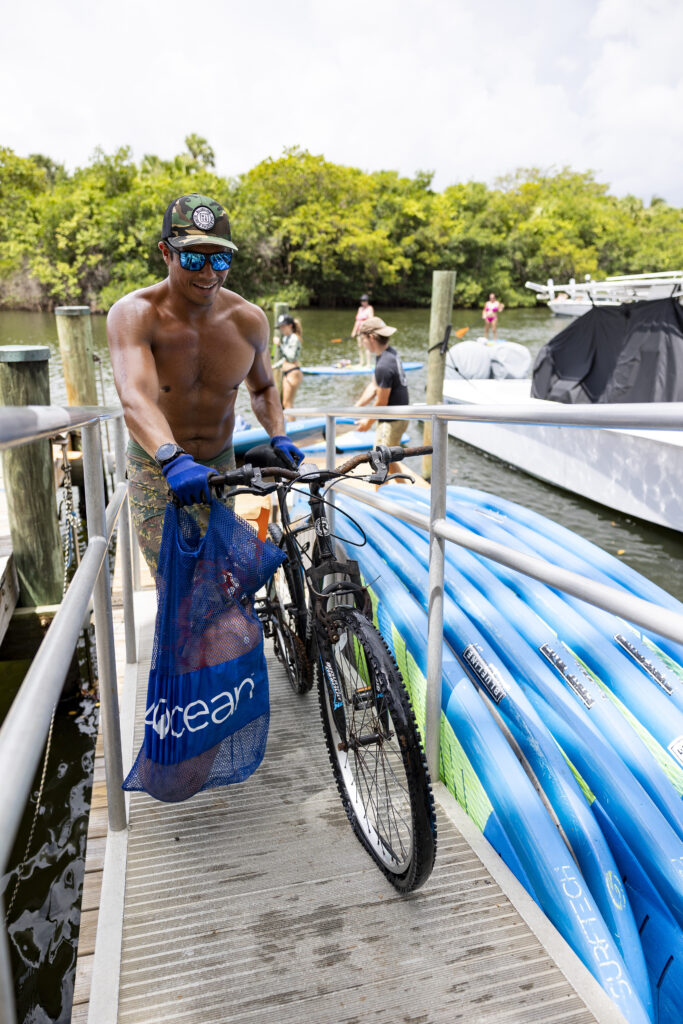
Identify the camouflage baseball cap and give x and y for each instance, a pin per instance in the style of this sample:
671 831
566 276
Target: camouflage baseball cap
192 219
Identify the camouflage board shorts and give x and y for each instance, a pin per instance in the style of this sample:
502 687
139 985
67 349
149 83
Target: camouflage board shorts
390 432
148 492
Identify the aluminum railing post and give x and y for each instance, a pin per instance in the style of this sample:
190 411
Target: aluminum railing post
123 544
435 606
330 458
104 630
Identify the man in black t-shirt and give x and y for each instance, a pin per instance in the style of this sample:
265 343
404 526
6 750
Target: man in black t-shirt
389 386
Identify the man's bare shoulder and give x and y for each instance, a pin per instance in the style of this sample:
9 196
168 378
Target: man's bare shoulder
140 307
249 318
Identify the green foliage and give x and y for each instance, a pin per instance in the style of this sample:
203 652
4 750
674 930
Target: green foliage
310 231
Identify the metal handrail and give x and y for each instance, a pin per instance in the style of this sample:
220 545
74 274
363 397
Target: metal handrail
25 728
24 423
645 613
617 415
24 731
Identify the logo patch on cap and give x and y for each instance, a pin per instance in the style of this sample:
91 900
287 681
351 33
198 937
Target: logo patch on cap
203 218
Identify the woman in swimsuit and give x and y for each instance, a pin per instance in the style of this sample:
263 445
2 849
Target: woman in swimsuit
289 343
490 315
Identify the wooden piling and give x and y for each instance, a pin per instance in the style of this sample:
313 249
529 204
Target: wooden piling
29 482
74 330
443 287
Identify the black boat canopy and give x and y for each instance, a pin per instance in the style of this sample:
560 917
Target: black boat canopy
628 353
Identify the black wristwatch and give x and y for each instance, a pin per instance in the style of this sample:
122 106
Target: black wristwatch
167 452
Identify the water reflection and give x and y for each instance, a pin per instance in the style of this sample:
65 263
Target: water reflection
43 923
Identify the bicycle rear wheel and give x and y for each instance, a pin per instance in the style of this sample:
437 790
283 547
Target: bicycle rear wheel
286 598
374 747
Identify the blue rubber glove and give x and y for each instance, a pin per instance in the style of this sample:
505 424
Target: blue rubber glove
188 480
287 450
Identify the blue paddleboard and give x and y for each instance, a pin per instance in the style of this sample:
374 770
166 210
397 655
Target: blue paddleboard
298 430
354 441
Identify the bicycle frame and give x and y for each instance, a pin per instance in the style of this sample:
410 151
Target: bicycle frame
324 561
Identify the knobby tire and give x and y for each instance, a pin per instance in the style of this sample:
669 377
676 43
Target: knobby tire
383 782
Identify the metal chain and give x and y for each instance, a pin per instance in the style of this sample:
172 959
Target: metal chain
71 520
22 867
71 551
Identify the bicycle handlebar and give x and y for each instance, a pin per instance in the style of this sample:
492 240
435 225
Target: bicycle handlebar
245 476
399 452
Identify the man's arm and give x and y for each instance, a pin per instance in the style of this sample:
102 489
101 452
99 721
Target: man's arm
368 394
263 394
382 399
135 373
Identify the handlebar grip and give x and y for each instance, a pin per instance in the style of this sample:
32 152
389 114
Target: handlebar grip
233 477
407 453
355 460
395 453
244 476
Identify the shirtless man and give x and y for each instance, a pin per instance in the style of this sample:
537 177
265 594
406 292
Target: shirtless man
180 350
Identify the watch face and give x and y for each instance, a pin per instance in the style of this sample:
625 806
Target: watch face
166 451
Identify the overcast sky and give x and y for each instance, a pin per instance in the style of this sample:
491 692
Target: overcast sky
469 89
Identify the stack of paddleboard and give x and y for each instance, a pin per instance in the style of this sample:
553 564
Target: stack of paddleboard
572 765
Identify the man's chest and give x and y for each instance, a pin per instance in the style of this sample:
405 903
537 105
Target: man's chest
216 358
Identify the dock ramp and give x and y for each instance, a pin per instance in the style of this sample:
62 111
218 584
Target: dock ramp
257 904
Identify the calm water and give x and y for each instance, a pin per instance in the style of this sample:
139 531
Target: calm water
656 552
45 918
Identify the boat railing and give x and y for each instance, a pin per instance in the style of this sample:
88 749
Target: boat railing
25 729
624 288
650 416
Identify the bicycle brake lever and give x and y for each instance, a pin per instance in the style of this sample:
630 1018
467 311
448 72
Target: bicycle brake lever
400 476
258 484
379 457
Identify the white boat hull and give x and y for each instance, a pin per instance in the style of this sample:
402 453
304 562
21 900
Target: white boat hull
570 307
637 472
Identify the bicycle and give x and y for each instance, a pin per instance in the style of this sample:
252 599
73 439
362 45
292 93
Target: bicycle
320 616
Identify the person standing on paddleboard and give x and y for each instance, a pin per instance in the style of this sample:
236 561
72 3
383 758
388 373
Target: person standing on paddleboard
365 311
389 385
490 315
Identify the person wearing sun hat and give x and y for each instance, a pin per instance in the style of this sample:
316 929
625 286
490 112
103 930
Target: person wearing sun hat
388 386
180 350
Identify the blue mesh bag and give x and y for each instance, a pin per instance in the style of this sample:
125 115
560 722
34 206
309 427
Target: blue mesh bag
208 711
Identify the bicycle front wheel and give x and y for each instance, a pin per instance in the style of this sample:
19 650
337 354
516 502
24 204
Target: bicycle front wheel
374 747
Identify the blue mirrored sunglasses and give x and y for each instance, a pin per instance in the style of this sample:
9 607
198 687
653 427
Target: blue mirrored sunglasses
196 260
